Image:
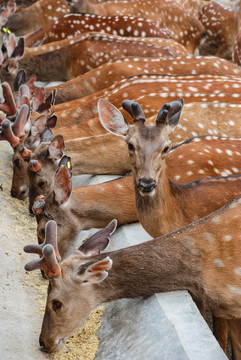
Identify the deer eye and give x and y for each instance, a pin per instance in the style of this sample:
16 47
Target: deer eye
41 183
56 305
130 146
16 162
42 233
165 150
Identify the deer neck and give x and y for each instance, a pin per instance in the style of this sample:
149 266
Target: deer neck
166 210
40 65
97 205
160 265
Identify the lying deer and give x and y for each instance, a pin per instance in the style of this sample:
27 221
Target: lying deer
180 23
112 72
71 25
149 89
190 258
163 205
220 23
76 56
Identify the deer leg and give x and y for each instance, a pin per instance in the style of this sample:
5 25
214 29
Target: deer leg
220 326
200 304
235 333
220 331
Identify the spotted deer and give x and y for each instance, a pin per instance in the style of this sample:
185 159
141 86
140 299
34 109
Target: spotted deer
37 15
225 122
149 89
71 25
157 196
107 154
173 17
236 52
229 186
163 205
112 72
77 56
189 258
220 23
170 46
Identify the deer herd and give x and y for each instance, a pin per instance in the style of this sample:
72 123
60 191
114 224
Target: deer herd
149 90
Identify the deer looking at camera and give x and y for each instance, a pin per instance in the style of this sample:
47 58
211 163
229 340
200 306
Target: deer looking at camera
163 205
190 258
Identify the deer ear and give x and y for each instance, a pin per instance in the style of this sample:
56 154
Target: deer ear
56 148
99 241
174 113
19 80
62 186
94 271
19 50
66 162
111 118
51 121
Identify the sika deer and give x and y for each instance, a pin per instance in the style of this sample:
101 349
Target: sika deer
78 56
112 72
107 154
163 205
72 25
190 258
37 15
181 24
220 23
149 89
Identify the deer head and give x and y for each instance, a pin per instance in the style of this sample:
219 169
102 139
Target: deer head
30 140
10 64
56 203
69 282
147 144
42 165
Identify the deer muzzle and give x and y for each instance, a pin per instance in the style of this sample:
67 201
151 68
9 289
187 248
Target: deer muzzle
146 186
51 346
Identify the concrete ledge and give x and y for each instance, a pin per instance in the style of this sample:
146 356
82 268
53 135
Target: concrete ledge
166 326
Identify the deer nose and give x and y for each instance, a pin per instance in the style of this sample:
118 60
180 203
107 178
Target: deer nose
41 343
21 194
146 185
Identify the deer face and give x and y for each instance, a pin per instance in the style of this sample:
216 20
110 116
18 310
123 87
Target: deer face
57 206
147 148
20 180
64 219
42 166
147 145
72 293
68 305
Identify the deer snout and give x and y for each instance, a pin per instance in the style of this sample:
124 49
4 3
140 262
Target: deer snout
50 346
146 186
21 193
